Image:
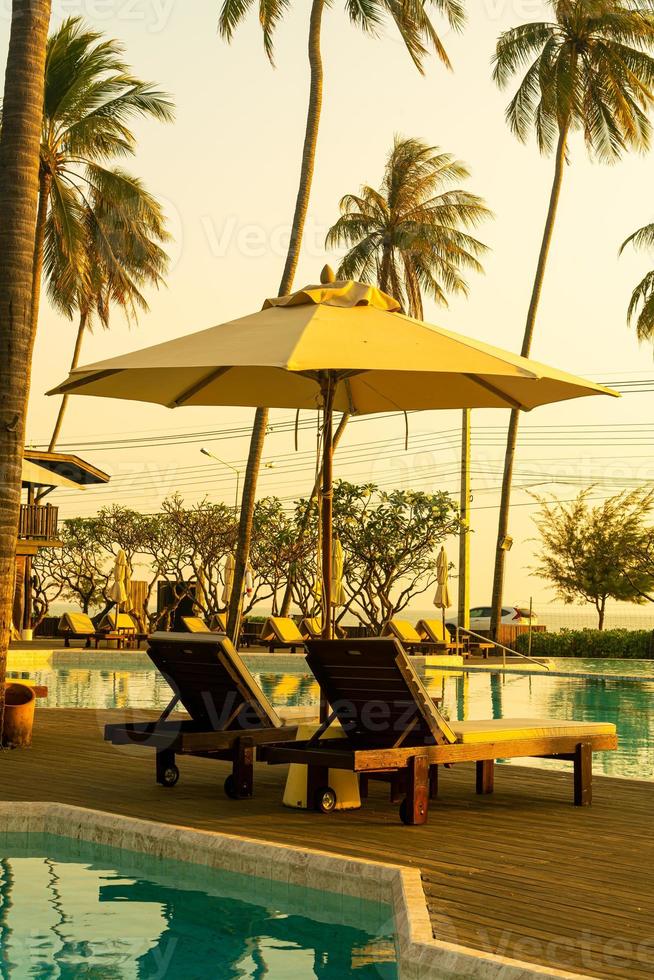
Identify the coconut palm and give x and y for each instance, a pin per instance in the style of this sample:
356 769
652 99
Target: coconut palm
91 97
590 71
418 34
641 306
19 174
411 236
120 254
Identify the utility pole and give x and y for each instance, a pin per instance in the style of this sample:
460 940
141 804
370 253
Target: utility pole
463 616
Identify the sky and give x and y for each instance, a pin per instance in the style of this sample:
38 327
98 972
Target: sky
227 173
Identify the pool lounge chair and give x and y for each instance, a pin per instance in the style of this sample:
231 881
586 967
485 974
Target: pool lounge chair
124 625
228 713
311 629
392 727
281 632
79 626
406 633
195 624
433 631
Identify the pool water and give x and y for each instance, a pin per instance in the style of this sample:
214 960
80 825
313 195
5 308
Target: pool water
623 694
71 910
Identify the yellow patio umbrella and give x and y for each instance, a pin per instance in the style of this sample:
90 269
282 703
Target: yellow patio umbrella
442 598
336 346
338 587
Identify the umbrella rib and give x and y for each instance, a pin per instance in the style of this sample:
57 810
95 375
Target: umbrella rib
496 391
87 379
188 393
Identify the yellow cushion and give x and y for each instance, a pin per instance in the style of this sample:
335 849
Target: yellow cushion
433 629
281 628
123 622
220 622
403 630
195 625
76 623
313 626
511 729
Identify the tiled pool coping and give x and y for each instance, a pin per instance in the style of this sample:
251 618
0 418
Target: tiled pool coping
421 957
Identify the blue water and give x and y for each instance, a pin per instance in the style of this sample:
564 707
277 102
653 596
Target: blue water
72 910
620 691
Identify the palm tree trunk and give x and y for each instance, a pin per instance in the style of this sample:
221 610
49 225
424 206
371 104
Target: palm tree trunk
304 523
45 181
297 231
20 141
512 435
81 330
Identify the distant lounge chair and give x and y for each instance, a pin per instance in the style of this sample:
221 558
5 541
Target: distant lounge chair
391 726
311 629
229 715
407 634
219 623
433 631
195 624
281 632
123 625
79 626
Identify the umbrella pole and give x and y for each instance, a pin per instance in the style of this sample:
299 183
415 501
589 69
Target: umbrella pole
327 390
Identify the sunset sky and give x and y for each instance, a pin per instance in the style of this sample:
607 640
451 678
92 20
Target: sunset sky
227 171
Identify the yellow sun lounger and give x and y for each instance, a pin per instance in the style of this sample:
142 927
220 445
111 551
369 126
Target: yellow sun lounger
408 636
281 632
195 624
433 631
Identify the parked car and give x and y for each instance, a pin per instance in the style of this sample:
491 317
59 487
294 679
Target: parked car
480 617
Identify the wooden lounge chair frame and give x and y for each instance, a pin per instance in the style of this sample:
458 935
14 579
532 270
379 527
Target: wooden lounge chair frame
410 767
92 635
123 627
230 731
272 635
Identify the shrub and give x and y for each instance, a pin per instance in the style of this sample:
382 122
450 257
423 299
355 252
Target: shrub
608 644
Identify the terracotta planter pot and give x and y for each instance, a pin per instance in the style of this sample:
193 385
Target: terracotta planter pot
20 701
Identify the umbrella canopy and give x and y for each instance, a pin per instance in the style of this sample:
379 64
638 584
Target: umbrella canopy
379 361
335 346
118 590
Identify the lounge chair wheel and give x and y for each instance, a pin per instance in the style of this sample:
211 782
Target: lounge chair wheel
325 800
169 776
230 787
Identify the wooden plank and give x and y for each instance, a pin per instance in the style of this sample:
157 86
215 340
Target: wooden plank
521 873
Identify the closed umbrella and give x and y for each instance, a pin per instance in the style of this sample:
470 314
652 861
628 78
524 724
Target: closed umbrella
442 598
336 346
117 590
228 576
338 588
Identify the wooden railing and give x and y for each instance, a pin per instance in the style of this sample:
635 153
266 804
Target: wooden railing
37 521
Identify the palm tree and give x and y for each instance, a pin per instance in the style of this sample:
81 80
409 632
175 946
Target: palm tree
410 237
588 70
19 176
91 97
120 253
641 306
418 33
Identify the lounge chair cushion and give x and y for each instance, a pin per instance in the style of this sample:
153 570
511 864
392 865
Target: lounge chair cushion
403 630
433 629
283 629
510 729
78 623
195 625
123 622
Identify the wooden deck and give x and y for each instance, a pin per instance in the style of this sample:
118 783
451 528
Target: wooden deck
522 873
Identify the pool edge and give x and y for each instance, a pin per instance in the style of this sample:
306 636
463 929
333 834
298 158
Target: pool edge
421 956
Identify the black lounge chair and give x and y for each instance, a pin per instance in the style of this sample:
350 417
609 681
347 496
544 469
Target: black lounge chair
392 728
229 715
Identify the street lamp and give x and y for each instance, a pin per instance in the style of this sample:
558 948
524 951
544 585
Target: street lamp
206 452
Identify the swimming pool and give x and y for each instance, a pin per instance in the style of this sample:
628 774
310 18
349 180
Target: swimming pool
623 693
70 909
